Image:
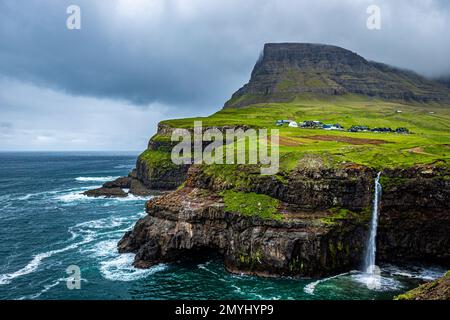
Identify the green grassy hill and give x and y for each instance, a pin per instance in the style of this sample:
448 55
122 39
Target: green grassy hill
428 142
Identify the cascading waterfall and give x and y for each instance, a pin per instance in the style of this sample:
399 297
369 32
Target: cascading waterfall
371 247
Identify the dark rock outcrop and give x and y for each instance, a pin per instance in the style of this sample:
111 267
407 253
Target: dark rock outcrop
160 177
308 187
106 192
115 188
434 290
303 243
414 220
287 70
122 182
191 220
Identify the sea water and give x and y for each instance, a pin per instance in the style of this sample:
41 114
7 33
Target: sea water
47 225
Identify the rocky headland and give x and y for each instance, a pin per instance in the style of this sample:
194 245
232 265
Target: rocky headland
311 219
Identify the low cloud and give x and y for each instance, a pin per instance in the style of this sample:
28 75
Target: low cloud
45 119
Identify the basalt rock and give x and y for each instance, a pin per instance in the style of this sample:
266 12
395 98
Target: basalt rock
122 182
309 187
115 188
191 220
106 192
287 70
309 240
414 219
434 290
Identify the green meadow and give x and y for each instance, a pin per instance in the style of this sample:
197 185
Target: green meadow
428 142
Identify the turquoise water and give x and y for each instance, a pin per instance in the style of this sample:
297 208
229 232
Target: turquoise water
46 225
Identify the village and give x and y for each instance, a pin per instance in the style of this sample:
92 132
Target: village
315 124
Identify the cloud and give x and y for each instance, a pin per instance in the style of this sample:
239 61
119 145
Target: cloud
45 119
132 58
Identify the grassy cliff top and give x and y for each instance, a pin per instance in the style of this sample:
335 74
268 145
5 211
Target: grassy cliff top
428 142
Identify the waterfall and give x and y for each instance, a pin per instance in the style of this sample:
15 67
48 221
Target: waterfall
371 247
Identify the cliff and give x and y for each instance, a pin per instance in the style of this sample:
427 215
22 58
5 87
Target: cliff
311 218
319 230
285 71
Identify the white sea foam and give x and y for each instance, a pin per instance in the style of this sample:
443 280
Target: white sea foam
124 166
88 231
120 268
95 179
25 197
78 196
36 261
377 282
47 288
63 195
311 287
132 197
72 197
415 272
34 264
204 266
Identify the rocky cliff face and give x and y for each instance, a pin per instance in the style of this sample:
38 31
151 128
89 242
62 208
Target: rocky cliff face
287 70
192 220
414 220
313 238
323 208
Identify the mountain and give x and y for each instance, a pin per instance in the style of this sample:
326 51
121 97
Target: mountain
445 81
311 218
287 70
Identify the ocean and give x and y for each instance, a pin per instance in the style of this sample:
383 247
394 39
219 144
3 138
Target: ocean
47 225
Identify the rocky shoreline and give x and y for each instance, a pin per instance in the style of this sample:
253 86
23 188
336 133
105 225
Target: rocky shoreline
433 290
323 216
323 223
309 220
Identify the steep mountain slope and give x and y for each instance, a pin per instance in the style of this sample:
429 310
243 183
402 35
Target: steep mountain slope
287 70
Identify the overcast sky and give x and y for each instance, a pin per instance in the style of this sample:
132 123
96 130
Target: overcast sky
136 62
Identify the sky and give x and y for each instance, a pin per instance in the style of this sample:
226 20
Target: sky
134 63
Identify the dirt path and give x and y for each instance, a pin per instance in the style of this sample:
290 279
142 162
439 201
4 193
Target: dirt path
350 140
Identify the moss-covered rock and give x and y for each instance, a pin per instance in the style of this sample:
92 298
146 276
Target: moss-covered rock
434 290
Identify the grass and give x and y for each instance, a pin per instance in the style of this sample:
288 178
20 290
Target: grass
425 291
251 204
340 214
157 159
429 141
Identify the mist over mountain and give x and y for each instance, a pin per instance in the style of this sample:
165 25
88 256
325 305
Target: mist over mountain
287 70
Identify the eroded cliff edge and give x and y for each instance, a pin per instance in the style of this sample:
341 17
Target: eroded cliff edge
319 227
310 219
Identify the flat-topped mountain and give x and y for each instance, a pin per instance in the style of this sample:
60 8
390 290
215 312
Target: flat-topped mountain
287 70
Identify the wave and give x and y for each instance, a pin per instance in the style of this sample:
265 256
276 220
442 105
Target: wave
204 266
428 273
60 192
377 282
132 197
124 166
311 287
72 197
88 232
34 264
36 261
47 288
95 179
119 267
79 196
